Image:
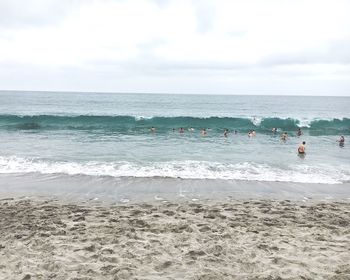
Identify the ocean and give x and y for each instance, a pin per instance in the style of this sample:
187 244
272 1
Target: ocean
92 143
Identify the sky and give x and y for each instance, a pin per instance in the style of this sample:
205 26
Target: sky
298 47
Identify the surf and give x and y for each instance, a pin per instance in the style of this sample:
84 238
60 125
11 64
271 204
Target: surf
163 124
186 169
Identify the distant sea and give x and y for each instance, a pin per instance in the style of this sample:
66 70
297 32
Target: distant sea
104 137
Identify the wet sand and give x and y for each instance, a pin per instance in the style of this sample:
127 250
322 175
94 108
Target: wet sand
236 239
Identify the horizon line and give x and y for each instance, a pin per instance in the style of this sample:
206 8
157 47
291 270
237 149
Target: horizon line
168 93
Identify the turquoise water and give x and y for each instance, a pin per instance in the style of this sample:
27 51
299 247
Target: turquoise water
108 135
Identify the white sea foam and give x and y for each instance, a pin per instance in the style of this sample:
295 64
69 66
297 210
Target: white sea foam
180 169
140 118
256 121
305 122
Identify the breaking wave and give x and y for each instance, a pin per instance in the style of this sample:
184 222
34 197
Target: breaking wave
180 169
130 124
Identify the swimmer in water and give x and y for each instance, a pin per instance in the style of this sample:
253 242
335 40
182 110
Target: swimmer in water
152 129
284 136
274 130
299 132
301 148
181 130
203 132
253 133
341 141
225 132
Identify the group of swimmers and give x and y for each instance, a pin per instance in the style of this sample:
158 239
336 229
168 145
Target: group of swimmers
301 148
182 130
252 133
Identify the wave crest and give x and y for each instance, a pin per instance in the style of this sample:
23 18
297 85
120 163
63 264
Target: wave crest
127 124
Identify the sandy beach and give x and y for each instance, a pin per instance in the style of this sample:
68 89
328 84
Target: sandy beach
248 239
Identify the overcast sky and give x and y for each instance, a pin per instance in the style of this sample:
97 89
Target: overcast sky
176 46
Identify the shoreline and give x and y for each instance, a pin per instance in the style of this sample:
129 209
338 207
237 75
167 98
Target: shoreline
80 188
234 239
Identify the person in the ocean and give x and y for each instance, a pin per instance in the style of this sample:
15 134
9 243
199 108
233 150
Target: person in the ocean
225 132
274 130
253 133
250 134
301 148
284 136
203 132
341 141
181 130
152 129
299 132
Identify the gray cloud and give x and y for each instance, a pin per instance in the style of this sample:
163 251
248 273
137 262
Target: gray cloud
337 52
160 61
75 79
148 64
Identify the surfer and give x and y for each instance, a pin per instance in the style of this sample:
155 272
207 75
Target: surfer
301 148
341 141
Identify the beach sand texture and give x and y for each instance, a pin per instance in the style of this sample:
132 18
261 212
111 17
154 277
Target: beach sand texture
252 239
